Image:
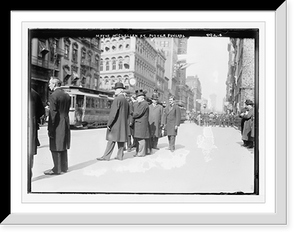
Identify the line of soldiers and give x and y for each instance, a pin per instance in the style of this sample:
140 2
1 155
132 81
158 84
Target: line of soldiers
215 119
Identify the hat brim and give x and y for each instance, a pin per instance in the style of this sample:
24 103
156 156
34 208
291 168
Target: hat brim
119 87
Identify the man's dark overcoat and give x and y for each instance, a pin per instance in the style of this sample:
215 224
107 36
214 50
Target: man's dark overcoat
247 125
118 120
59 122
36 111
155 120
141 117
172 119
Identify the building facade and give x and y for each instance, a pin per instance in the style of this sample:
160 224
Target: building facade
75 61
129 60
169 46
194 84
241 73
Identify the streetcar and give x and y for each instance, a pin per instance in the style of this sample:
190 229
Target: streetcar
89 108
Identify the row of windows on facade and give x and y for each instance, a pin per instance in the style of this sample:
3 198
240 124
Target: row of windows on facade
140 66
107 49
85 54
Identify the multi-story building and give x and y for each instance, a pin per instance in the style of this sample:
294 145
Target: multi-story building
161 83
195 85
181 92
75 61
241 73
170 48
129 60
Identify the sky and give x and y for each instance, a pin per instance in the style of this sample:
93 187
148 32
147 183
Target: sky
211 65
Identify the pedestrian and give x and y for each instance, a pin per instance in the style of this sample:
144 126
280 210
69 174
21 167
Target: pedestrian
36 111
47 108
117 125
248 116
199 119
244 110
130 142
59 127
155 121
172 122
141 124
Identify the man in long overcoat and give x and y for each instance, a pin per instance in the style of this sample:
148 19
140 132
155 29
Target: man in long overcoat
117 125
248 116
131 143
155 121
172 122
141 123
59 127
36 111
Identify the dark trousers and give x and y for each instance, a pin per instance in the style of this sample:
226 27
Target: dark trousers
154 142
171 142
110 147
60 160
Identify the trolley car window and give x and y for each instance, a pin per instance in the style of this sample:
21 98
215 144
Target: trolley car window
80 100
88 102
109 103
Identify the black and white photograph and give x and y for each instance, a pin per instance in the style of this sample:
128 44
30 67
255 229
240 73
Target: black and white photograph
143 111
148 118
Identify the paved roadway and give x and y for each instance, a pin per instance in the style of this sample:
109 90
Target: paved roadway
206 160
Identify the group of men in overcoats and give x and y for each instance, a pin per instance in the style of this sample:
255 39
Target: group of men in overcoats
135 119
138 119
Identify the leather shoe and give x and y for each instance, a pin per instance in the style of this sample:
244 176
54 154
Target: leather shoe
103 159
118 158
51 172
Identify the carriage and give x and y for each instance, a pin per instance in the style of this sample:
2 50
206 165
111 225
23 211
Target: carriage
89 108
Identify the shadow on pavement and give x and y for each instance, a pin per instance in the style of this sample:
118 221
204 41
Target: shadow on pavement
71 168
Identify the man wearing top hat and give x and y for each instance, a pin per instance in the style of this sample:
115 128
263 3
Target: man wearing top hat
155 121
141 123
248 124
117 125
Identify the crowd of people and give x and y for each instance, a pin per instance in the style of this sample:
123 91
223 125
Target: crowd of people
135 122
243 121
139 122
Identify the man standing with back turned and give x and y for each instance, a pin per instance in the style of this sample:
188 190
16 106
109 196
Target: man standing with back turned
59 127
117 125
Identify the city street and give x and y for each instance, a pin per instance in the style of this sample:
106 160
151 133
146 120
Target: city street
206 160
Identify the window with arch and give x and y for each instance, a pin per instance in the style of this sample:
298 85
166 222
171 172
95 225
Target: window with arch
119 78
83 54
121 47
114 63
74 52
97 60
107 64
101 64
126 62
112 80
120 63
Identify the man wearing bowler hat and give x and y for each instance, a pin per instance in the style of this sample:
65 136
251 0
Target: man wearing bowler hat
117 125
141 123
